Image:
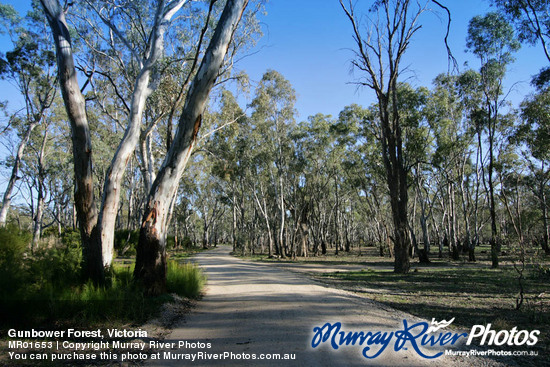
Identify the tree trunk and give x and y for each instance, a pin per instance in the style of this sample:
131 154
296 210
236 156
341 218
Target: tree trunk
150 267
234 220
81 139
14 172
37 220
495 242
282 213
111 190
455 253
37 225
544 209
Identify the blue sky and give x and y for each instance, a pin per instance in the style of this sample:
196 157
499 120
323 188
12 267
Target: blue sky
309 42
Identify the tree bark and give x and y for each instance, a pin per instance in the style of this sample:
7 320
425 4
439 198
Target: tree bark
37 225
82 146
111 190
6 201
544 209
150 267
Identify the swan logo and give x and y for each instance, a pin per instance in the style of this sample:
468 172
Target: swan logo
439 325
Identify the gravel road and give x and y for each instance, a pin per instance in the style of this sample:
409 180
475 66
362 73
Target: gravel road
255 309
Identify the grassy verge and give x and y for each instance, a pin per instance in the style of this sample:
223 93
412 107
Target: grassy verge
43 292
44 288
120 302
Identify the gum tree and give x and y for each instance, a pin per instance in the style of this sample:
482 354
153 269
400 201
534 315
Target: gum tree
131 37
378 56
531 20
492 40
150 267
29 66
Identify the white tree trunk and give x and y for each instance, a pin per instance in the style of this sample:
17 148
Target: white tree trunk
81 139
111 190
14 172
37 226
151 256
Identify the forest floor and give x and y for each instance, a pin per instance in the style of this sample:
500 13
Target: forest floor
254 308
471 292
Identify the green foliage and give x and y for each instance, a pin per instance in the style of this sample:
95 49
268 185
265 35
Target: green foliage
491 36
535 129
170 242
70 238
185 242
119 300
49 232
55 267
13 244
530 18
186 279
126 242
46 286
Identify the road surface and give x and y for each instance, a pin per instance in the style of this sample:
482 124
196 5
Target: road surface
253 310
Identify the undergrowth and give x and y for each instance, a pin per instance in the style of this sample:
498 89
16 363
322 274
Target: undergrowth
45 288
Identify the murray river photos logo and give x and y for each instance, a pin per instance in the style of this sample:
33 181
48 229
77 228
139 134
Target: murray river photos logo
418 336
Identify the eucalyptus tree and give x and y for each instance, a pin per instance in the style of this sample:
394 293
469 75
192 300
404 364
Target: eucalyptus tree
273 117
418 147
531 19
36 177
533 134
144 45
151 252
378 55
492 40
30 67
228 150
318 178
451 160
96 255
139 30
364 169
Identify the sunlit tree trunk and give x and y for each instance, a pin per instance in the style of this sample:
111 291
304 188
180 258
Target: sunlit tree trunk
111 190
80 134
150 267
6 201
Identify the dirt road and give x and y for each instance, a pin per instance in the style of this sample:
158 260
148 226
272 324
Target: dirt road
252 309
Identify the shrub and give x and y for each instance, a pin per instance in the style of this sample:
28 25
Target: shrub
46 287
50 232
185 242
170 242
71 238
13 244
126 242
186 279
56 267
